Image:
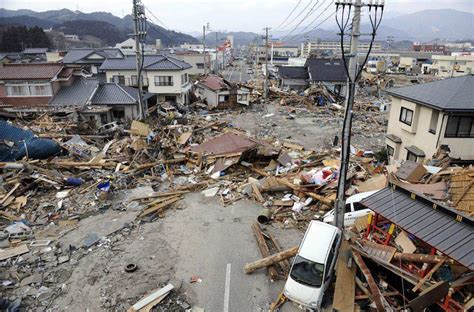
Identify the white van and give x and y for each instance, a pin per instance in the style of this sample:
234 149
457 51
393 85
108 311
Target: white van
313 266
353 211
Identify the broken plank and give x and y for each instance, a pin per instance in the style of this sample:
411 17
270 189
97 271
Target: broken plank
13 251
428 276
158 207
9 193
257 194
152 297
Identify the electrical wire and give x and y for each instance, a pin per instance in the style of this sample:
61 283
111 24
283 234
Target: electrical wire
303 33
299 14
291 13
310 12
157 19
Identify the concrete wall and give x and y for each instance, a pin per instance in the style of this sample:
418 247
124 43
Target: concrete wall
419 135
194 59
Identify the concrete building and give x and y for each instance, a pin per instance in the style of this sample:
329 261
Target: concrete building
308 48
277 54
163 75
220 93
192 47
426 117
196 60
452 65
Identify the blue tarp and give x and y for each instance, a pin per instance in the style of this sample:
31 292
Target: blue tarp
24 143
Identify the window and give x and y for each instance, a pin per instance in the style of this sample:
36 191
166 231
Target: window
200 65
307 272
242 97
118 79
223 98
406 116
163 80
29 89
434 121
134 80
390 151
184 78
460 127
411 156
118 113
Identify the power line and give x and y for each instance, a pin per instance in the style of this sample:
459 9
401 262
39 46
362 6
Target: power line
299 14
314 28
291 13
303 33
310 12
157 19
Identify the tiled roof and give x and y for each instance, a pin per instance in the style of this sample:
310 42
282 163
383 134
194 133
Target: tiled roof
453 94
78 56
214 82
150 62
85 91
35 50
293 72
29 71
76 94
326 69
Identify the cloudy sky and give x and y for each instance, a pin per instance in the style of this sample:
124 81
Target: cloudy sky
230 15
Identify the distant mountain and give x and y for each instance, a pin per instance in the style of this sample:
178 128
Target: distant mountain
109 28
241 38
434 24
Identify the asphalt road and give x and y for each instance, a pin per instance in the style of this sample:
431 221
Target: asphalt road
214 243
237 73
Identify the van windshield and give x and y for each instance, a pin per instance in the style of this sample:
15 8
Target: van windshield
307 272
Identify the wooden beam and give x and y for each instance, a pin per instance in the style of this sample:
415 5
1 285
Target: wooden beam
428 276
256 192
159 206
265 262
264 250
376 295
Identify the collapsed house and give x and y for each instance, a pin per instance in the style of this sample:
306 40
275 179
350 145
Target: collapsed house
220 93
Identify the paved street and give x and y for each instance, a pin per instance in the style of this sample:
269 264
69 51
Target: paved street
238 73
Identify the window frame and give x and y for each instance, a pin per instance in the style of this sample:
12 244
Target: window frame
30 89
390 151
163 81
431 130
412 155
404 120
120 79
456 132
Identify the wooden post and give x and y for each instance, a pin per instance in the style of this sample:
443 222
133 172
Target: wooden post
265 262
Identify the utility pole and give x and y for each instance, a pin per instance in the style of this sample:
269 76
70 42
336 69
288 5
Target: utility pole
216 63
139 23
204 28
265 86
353 73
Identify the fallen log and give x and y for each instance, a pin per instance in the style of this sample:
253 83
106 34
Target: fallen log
264 250
268 261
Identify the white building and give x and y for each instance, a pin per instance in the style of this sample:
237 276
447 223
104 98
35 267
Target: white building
429 116
307 48
163 75
452 65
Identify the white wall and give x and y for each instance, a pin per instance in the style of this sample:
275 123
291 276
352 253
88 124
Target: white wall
418 133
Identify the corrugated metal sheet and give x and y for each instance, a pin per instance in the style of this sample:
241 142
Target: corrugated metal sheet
441 227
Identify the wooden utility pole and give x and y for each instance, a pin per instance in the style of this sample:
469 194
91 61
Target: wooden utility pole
268 261
265 87
139 23
204 47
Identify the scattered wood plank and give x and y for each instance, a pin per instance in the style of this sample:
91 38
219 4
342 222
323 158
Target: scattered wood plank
275 258
257 194
285 264
4 198
264 250
152 297
13 251
159 207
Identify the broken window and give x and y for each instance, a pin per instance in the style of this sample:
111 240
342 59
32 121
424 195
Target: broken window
406 116
411 156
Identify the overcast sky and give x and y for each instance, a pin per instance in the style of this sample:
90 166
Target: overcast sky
230 15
